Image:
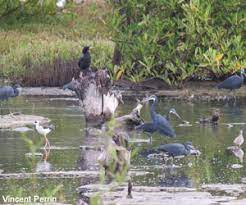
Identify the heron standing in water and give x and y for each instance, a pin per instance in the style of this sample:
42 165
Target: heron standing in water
159 123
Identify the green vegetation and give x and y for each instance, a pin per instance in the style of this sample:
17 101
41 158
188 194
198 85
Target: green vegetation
175 39
41 46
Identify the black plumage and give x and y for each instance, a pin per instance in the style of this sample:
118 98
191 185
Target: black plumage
9 91
85 60
178 149
233 82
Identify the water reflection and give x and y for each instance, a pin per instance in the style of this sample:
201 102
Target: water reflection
212 141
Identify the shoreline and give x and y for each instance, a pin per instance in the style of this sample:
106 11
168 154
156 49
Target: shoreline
191 91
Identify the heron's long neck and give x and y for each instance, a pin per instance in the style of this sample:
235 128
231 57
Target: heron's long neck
152 110
16 91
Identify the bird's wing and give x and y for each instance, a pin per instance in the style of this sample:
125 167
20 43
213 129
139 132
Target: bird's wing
230 82
164 127
172 149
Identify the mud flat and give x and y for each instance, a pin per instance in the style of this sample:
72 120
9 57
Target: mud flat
143 195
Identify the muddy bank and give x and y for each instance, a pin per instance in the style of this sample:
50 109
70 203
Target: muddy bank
192 91
111 194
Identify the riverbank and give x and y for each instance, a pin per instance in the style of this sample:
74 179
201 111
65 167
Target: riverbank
191 91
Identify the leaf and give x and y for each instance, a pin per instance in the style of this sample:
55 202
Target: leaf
119 73
218 57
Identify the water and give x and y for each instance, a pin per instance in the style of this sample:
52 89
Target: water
212 166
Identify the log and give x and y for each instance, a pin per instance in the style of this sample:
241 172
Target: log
132 118
61 174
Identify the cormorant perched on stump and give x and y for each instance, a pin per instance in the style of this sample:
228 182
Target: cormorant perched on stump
85 60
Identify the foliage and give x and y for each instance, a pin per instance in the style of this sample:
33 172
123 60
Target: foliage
175 39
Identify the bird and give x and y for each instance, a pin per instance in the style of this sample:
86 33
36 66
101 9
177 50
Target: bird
233 82
159 123
43 131
237 152
7 92
214 119
85 60
239 140
178 149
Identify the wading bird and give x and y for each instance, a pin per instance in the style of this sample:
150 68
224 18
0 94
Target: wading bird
233 82
239 140
43 131
159 123
85 60
178 149
7 92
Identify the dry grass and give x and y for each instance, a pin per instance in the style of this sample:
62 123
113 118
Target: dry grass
37 53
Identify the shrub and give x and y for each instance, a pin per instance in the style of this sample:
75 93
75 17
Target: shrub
177 39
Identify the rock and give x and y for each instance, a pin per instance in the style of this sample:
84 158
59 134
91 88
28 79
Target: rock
12 121
229 189
22 129
142 195
236 166
235 202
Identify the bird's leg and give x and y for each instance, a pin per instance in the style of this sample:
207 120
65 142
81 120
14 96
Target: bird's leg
45 155
46 142
150 138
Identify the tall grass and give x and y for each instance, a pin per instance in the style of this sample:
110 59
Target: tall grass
44 49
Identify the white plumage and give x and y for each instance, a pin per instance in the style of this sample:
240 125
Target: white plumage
61 4
41 130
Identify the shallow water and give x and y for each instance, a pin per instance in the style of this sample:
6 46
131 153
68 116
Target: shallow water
212 166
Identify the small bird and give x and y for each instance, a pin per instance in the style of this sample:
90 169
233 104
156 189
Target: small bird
239 140
214 119
43 131
85 60
237 152
233 82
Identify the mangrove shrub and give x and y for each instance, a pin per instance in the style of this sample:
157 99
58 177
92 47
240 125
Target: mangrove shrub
178 39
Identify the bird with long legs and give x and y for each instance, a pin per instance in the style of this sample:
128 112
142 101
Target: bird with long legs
159 123
43 131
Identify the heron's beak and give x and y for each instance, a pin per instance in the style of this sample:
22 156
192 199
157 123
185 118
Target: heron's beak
176 114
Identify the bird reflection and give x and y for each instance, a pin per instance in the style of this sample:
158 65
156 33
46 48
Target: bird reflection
237 152
176 181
